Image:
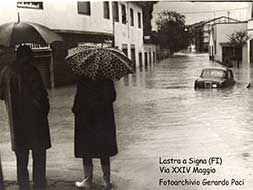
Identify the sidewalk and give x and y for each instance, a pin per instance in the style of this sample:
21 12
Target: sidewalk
63 169
52 185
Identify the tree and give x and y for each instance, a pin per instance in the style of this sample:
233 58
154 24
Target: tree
171 31
147 8
236 41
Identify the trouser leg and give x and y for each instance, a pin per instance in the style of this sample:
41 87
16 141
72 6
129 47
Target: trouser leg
39 169
88 174
105 164
22 171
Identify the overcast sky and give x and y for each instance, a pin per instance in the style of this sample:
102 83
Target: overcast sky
198 11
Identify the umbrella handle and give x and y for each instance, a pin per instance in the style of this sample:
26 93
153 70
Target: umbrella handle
18 18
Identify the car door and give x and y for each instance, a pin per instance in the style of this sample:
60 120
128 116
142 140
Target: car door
230 78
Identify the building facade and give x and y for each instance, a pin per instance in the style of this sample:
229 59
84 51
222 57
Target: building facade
104 23
201 32
220 48
250 33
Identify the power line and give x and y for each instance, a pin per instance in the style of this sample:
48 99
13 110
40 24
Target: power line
201 12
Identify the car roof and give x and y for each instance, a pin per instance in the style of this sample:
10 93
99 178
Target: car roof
216 68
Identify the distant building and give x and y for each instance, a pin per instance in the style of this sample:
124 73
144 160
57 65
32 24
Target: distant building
220 48
250 32
201 32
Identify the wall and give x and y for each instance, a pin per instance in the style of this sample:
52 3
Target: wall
61 15
126 34
249 10
151 50
220 35
8 11
250 33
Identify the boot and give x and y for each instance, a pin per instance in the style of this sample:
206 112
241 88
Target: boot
87 182
107 177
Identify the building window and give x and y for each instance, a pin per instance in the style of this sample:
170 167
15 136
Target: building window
140 58
150 58
30 5
123 12
133 58
115 9
251 51
146 58
124 49
106 10
83 7
131 17
215 47
139 20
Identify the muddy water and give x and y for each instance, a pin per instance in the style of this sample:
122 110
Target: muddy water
160 115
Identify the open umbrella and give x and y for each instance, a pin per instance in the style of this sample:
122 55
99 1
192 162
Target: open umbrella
14 33
99 63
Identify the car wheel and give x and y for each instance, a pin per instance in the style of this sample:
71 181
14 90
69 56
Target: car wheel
195 86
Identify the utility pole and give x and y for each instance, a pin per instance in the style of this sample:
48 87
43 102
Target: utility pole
228 15
113 24
1 177
113 32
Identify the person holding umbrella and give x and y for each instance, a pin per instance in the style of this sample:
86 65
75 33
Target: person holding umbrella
95 134
95 130
27 104
26 99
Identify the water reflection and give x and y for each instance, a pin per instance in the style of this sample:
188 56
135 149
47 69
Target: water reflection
179 71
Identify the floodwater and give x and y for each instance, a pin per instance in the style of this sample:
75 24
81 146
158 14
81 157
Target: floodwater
160 116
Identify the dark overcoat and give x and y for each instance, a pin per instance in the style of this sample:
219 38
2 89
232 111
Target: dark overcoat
27 104
95 133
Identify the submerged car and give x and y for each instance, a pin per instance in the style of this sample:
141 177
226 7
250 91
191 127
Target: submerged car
215 78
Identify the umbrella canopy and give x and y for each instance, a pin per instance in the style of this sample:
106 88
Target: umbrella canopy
99 63
15 33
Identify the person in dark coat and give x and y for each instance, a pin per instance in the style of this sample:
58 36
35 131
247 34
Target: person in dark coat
95 132
27 104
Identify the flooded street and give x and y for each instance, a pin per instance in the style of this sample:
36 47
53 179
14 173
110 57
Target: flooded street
159 115
163 116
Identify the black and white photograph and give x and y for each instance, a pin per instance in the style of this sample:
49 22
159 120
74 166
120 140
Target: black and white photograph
126 95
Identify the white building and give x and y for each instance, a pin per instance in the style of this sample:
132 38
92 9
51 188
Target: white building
219 44
105 23
250 32
220 49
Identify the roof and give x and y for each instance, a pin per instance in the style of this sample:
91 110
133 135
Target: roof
202 23
214 19
225 44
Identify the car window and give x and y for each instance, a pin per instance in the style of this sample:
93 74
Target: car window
230 74
213 73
